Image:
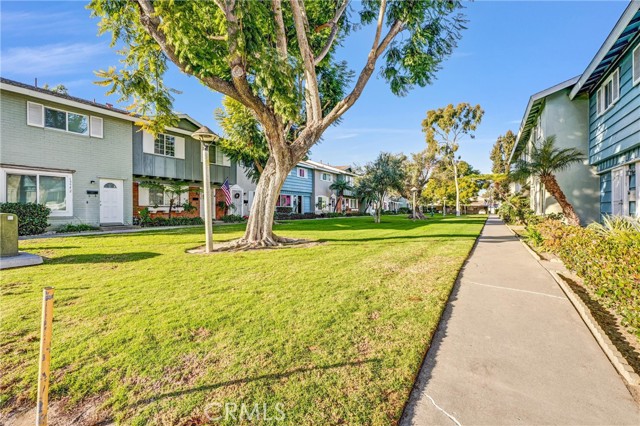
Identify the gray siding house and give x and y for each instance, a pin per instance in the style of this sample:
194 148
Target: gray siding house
552 113
175 156
72 155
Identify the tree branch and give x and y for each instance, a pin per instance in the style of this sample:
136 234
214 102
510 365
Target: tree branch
313 95
151 23
332 35
281 37
346 103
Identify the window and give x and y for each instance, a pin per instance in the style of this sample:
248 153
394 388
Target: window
302 173
52 118
156 197
66 121
608 93
326 177
165 145
636 65
323 202
352 203
284 201
54 191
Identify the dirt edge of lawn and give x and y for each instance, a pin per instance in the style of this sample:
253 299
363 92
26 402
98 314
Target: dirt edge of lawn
422 367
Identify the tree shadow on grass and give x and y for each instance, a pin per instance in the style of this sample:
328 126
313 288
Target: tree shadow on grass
403 237
102 258
244 380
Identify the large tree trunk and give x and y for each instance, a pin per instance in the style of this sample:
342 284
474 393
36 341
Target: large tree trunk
551 184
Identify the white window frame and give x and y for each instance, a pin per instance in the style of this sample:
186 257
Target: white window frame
164 136
636 51
328 175
601 109
66 122
302 173
68 184
91 132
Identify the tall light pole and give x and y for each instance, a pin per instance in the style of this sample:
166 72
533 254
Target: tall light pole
413 191
206 137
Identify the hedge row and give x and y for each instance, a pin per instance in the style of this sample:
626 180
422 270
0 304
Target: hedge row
32 218
609 263
174 221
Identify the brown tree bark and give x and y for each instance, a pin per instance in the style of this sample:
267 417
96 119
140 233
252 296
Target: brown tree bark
551 184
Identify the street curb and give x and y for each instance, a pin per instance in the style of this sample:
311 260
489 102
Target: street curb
615 357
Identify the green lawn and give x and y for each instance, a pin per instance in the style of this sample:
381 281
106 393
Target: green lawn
334 333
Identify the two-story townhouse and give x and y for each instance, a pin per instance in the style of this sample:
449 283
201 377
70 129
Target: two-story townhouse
350 200
297 189
175 156
327 199
612 84
70 154
552 113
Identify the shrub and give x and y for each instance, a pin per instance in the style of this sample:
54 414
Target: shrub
608 262
75 228
404 210
32 217
174 221
516 210
231 218
284 209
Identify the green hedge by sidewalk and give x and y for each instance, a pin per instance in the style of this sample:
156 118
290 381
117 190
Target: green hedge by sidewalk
609 264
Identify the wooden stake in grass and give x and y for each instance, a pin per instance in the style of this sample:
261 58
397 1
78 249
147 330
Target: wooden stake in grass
45 357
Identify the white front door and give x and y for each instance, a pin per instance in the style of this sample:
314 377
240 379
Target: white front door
617 192
111 201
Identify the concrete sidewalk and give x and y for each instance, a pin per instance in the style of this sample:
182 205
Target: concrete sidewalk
511 349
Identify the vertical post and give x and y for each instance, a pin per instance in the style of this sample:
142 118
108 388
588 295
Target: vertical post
414 204
206 183
45 357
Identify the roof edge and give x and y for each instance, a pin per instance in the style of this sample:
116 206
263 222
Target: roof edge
627 15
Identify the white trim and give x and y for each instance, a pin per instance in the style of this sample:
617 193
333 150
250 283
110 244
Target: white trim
633 65
68 212
600 95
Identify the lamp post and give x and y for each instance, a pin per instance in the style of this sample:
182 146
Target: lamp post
206 137
413 191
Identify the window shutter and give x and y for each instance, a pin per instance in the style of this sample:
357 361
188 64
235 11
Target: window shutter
615 86
226 161
636 65
219 156
147 142
599 101
35 114
143 196
95 125
179 147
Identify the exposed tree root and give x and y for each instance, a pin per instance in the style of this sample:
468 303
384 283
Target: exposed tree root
417 215
243 244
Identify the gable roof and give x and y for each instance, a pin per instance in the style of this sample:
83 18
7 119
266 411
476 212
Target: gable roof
327 168
105 109
534 107
625 32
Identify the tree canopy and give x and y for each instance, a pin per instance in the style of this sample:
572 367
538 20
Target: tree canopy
381 176
501 152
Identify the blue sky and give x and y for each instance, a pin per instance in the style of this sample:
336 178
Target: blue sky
510 50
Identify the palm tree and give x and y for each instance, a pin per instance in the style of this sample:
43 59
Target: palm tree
544 161
340 186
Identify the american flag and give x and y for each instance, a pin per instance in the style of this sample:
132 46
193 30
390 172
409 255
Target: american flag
227 191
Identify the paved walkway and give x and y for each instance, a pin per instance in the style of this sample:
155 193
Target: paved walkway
511 350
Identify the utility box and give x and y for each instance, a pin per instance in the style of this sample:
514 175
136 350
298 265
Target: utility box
8 234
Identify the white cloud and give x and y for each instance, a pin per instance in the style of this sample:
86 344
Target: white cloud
51 59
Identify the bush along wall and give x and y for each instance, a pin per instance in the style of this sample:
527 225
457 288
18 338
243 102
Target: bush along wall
608 263
174 221
32 217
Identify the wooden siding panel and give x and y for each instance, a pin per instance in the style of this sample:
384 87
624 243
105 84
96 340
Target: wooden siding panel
617 130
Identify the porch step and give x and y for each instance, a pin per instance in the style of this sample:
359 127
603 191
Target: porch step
116 227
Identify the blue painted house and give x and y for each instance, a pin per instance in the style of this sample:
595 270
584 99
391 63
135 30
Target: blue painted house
612 84
297 190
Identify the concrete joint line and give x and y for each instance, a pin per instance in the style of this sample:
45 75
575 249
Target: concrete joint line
515 289
453 419
615 357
